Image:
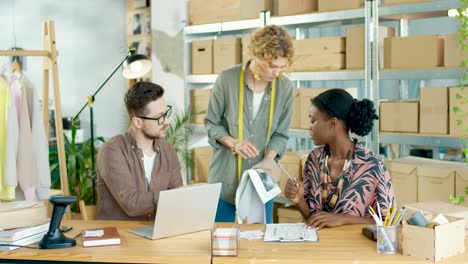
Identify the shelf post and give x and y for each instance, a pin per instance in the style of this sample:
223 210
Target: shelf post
372 66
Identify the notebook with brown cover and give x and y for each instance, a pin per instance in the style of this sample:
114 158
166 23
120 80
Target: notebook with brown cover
95 237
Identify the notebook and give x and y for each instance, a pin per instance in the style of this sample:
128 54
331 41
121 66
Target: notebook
101 237
11 235
182 211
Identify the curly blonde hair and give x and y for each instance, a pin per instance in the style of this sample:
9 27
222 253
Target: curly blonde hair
271 42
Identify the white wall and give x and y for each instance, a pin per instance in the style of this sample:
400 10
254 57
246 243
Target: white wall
91 40
167 25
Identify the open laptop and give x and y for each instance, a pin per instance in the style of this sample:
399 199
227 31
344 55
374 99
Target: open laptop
183 210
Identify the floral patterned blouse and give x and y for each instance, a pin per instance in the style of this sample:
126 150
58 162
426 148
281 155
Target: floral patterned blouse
366 182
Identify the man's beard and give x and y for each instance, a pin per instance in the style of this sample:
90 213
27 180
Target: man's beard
154 136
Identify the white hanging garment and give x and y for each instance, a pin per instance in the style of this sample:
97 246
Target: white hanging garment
7 192
39 141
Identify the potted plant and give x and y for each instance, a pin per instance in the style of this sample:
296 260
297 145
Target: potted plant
177 135
78 161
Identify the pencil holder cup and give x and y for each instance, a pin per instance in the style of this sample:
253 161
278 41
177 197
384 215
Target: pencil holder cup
225 240
387 239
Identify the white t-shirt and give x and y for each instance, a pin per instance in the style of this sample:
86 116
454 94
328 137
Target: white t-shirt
257 101
148 161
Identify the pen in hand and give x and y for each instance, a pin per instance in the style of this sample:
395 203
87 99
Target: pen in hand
289 176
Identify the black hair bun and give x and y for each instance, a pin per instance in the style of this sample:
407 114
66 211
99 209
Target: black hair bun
361 117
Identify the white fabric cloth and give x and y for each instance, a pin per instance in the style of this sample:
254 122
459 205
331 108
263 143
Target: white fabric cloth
12 135
257 101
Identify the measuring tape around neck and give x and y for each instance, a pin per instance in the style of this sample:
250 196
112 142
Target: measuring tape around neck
241 116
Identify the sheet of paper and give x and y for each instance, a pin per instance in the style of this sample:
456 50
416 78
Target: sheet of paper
289 233
255 189
251 235
94 233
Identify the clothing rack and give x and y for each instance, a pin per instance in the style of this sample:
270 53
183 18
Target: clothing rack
49 68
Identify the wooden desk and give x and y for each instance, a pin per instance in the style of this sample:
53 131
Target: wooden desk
337 245
191 248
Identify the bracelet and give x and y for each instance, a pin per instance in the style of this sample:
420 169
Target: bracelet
233 148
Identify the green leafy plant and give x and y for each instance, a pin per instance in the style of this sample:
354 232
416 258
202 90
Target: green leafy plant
462 96
79 172
178 134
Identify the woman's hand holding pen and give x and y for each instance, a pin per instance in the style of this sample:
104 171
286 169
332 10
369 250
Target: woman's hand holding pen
246 149
294 190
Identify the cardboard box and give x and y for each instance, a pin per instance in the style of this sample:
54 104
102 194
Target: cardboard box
436 243
319 54
453 55
435 182
199 100
455 129
251 9
433 110
227 53
294 7
320 46
17 214
300 116
404 180
461 184
201 157
291 161
355 46
445 208
245 49
399 116
302 101
202 57
325 62
212 11
414 52
334 5
289 215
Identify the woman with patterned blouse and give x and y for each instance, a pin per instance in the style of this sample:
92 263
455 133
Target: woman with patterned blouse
341 178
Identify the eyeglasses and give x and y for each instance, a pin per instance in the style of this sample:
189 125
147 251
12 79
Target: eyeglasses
161 119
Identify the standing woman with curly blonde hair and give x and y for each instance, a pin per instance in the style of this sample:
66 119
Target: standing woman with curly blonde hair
249 114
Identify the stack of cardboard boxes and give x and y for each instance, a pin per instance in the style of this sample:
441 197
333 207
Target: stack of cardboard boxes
214 11
199 100
432 114
302 101
212 56
316 54
201 157
355 46
421 180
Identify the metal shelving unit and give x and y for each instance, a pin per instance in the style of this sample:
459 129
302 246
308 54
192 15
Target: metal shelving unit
415 10
401 13
429 140
418 74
